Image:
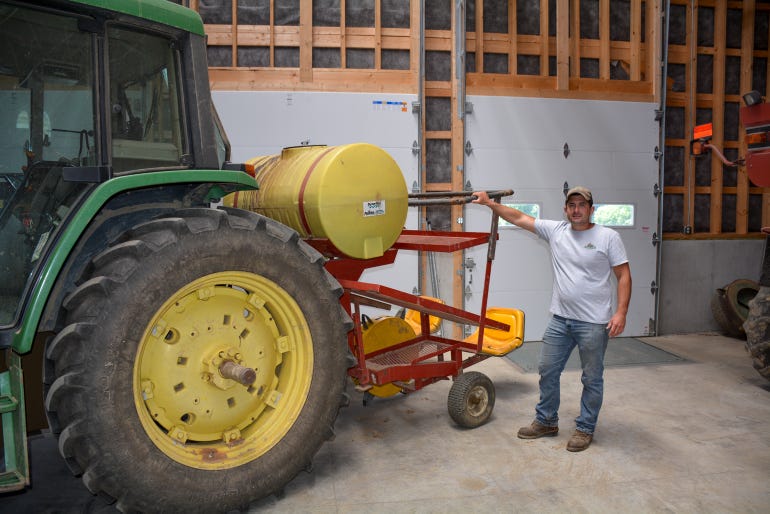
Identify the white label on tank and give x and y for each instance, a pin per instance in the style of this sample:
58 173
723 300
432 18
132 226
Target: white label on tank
374 208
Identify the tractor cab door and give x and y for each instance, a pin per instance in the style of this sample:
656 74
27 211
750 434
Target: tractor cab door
47 126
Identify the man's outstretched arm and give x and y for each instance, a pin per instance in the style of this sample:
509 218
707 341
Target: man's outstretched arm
509 214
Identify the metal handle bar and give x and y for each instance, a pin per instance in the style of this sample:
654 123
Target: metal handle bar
452 197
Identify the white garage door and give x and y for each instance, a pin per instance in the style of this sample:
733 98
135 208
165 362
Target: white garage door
519 143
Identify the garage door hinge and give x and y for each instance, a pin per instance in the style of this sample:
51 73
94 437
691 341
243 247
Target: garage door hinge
655 239
653 288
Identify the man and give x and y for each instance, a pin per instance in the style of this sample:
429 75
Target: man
583 256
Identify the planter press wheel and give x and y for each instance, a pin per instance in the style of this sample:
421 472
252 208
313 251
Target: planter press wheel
471 399
380 334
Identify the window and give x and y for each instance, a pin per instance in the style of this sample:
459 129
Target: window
533 209
147 128
614 214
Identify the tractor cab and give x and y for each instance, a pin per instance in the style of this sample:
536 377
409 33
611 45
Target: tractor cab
84 100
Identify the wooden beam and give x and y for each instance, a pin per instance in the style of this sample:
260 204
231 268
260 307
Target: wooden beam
377 35
718 115
457 173
272 33
653 43
691 68
747 63
306 40
234 32
635 22
544 39
562 45
478 29
604 38
575 39
513 47
343 42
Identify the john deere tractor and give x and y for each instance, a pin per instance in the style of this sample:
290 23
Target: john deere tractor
193 357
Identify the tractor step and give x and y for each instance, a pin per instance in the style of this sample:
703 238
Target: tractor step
15 473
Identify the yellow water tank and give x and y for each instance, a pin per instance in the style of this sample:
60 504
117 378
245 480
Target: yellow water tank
354 195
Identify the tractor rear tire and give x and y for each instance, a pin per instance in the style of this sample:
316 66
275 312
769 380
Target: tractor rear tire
137 396
757 329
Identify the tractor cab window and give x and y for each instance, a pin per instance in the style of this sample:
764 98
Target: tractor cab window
47 124
146 120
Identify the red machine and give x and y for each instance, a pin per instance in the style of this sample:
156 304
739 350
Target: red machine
755 117
394 355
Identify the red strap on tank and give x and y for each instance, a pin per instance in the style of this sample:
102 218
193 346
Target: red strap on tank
305 180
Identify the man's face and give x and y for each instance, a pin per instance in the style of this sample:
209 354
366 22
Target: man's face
578 212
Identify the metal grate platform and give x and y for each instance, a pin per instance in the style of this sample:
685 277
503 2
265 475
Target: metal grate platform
406 355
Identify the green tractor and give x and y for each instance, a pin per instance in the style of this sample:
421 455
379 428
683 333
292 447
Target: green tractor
193 357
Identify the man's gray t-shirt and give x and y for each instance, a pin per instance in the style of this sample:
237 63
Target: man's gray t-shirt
582 266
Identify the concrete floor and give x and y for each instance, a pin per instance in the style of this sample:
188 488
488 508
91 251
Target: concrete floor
689 437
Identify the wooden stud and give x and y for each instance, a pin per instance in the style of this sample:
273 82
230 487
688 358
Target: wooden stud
457 173
635 57
234 32
343 43
652 41
513 47
272 33
562 44
480 39
377 35
689 110
306 40
604 39
575 40
544 39
747 47
718 115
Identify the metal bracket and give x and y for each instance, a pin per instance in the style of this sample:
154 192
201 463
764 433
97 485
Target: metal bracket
657 153
653 287
468 148
655 239
416 107
656 190
415 147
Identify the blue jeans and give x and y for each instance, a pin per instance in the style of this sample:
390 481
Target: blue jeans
560 338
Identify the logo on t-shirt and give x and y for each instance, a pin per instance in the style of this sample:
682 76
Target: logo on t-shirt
590 246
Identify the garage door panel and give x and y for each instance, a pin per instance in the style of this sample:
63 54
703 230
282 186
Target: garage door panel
518 143
546 123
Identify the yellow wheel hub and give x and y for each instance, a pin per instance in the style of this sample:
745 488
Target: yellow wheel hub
191 407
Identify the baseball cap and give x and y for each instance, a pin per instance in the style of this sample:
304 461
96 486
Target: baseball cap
582 191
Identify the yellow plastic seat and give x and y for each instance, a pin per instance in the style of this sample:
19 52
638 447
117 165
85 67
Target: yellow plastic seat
501 342
413 318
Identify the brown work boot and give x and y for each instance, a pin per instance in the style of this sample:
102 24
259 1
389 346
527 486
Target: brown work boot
579 441
536 430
